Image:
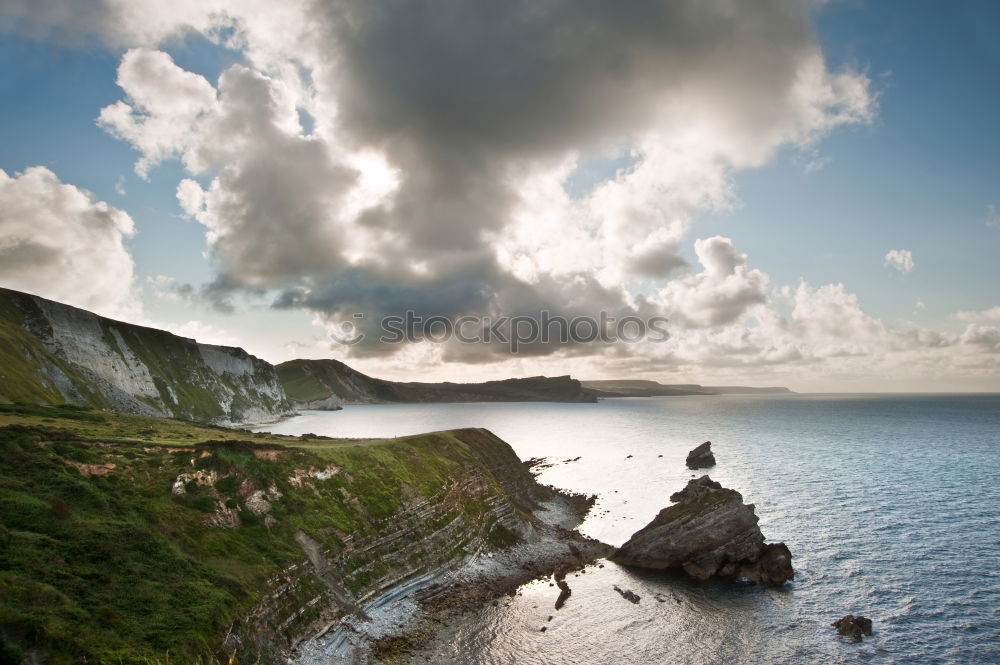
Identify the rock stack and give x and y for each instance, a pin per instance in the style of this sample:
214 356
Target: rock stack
701 457
708 532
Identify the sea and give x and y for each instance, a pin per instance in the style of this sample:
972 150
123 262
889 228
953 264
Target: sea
890 505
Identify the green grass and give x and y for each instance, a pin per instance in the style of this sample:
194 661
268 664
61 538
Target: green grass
114 568
301 385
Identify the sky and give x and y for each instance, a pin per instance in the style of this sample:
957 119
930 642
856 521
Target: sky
808 193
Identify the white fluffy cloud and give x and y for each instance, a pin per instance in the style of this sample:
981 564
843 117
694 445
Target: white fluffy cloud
163 108
991 314
57 242
987 337
718 295
900 259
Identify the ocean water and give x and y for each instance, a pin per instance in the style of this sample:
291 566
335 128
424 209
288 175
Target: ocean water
890 505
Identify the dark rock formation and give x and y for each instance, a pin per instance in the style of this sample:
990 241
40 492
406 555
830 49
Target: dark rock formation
627 594
564 590
853 627
708 532
701 457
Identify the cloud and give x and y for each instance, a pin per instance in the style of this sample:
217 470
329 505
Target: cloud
436 174
830 320
827 341
817 163
718 295
167 288
991 314
900 259
57 242
986 337
656 256
443 141
162 110
992 217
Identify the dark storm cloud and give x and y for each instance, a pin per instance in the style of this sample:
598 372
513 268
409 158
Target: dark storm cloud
462 96
483 291
465 97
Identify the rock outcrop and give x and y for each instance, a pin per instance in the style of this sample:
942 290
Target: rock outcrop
331 403
701 457
58 354
708 532
853 627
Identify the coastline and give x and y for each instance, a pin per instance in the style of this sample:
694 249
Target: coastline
405 618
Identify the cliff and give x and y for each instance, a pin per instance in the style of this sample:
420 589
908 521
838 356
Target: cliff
56 354
312 381
125 538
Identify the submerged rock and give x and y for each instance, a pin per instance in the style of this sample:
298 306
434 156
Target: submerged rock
701 457
564 590
853 627
628 594
708 532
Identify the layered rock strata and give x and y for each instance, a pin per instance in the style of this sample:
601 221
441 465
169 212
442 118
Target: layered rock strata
708 532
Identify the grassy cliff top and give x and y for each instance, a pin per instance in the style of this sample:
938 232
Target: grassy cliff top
130 539
130 428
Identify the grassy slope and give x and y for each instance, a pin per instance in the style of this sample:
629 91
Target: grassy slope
301 385
116 569
311 380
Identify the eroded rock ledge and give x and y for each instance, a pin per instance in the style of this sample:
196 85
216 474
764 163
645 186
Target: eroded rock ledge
708 532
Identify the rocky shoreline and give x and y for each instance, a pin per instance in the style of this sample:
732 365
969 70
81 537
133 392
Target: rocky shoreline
407 618
707 532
